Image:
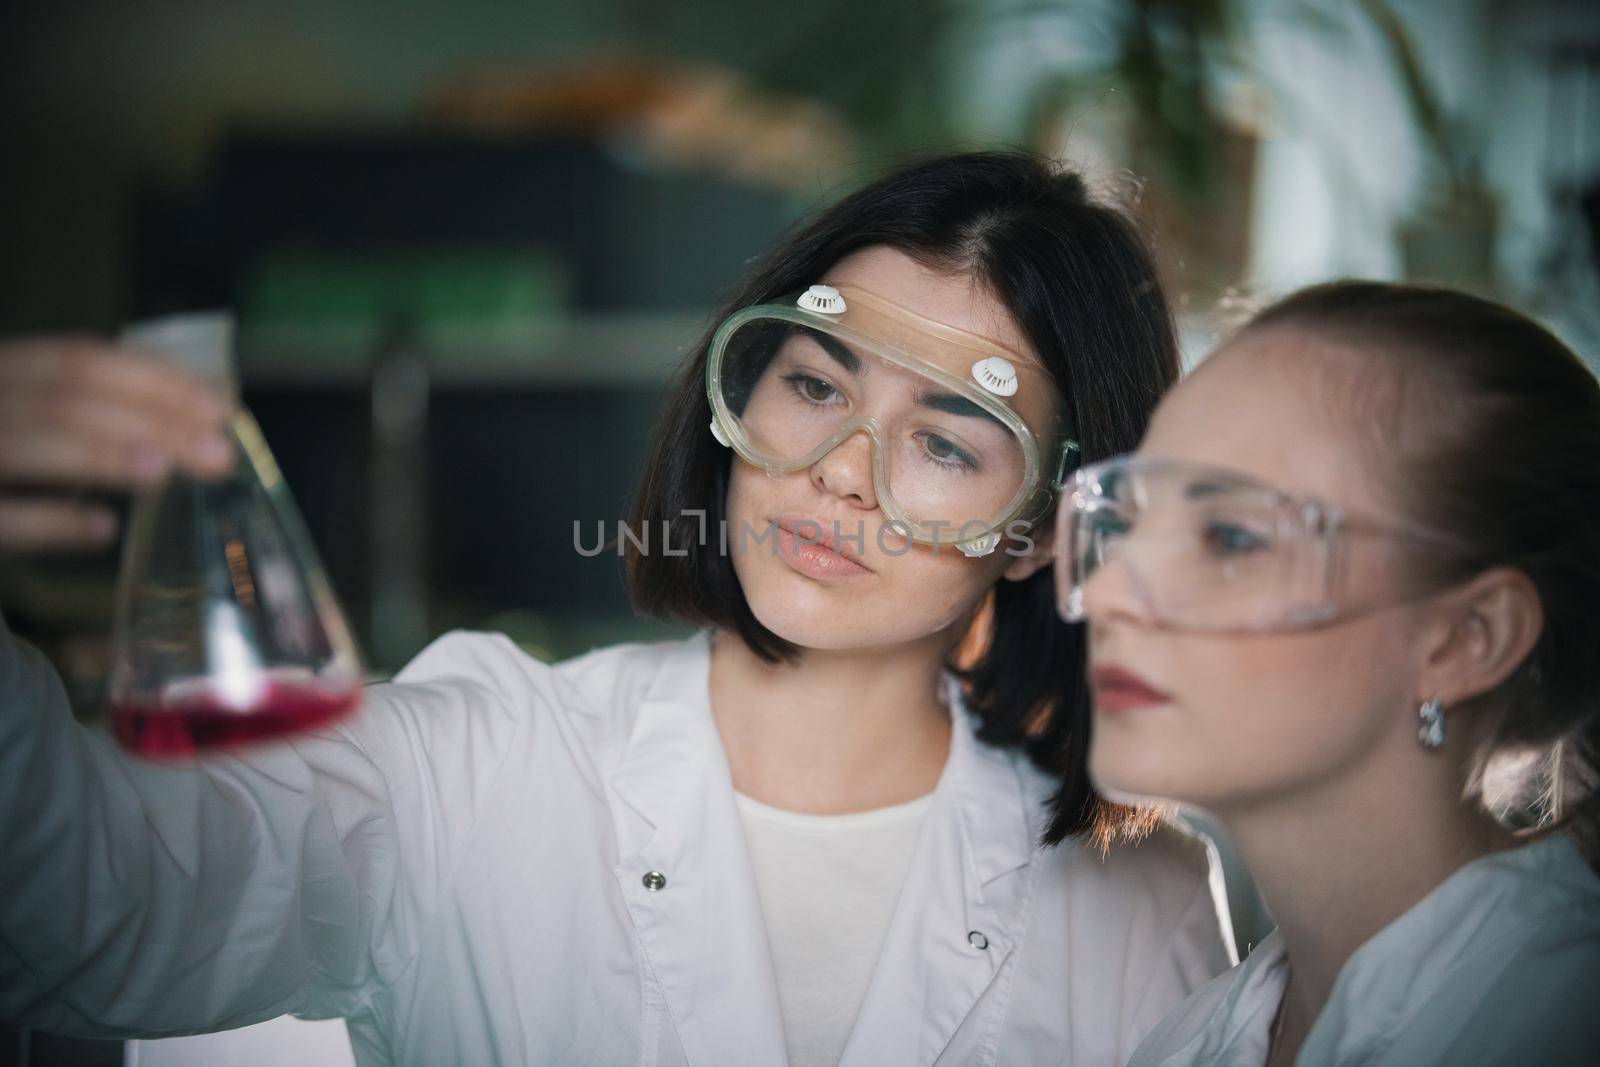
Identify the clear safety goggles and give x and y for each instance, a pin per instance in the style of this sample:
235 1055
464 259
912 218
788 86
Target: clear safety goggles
966 435
1210 549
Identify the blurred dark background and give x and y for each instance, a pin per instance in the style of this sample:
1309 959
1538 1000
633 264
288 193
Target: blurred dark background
467 243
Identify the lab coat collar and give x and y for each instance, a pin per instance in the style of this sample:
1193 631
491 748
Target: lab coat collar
1002 818
963 909
702 931
1240 1030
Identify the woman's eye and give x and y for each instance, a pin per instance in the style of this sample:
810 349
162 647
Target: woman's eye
1230 539
815 390
1108 532
1110 523
945 452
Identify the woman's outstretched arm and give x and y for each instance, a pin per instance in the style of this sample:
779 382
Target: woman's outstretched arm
144 899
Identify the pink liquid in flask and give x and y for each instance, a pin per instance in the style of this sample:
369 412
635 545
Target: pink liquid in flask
181 725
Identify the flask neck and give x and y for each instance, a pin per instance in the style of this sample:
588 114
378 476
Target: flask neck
200 342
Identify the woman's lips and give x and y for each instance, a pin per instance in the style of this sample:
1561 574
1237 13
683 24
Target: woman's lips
810 552
1116 689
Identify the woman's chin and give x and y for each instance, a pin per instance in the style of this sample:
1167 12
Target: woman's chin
1130 777
824 624
815 631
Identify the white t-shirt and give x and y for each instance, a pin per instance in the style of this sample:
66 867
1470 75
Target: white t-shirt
828 886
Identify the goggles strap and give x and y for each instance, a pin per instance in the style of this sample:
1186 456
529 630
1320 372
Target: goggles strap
1066 464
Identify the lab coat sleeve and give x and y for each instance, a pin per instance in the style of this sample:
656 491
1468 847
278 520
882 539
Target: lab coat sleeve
148 899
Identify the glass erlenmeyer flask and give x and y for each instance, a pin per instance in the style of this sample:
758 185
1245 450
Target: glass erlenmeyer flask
226 627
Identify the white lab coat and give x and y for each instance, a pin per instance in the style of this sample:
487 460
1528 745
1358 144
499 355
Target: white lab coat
1499 965
459 869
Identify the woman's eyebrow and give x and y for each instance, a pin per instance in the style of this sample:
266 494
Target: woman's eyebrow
952 404
1202 488
836 348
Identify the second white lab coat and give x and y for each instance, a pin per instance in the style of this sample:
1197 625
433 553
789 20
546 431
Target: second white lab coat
1498 965
463 869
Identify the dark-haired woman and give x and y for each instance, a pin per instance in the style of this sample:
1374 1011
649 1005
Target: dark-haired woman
1331 624
799 835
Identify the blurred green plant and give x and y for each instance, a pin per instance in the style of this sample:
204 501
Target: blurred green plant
1452 151
1449 237
1166 58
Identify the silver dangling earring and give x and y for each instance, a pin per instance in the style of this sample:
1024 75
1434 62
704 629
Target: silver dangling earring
1431 733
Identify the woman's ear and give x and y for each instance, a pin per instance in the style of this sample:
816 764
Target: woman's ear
1024 561
1491 625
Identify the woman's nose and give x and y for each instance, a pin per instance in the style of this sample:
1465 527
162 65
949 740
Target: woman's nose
846 471
1113 592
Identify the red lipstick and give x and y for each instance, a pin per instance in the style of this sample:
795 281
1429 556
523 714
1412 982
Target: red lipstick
1116 689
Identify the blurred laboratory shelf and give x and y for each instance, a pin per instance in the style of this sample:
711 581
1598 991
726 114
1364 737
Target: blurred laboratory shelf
602 349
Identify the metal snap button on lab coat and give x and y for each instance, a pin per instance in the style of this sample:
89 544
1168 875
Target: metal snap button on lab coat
654 881
977 940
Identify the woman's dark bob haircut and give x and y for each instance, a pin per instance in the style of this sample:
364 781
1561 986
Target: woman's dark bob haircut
1079 281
